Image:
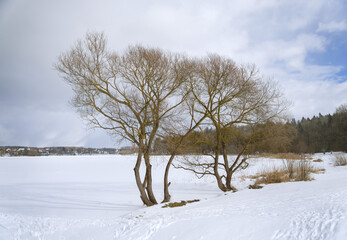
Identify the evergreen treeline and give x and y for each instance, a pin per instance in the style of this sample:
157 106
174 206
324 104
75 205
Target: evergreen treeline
318 134
322 133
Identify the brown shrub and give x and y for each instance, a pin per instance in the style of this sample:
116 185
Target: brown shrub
274 175
303 170
292 170
289 165
318 160
340 160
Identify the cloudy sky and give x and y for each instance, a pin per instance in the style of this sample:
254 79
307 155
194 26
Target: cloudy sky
300 44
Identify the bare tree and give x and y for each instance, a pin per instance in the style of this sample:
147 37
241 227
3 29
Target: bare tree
230 95
176 135
146 93
130 95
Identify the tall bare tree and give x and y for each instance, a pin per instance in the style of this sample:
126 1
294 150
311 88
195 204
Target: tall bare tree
176 135
130 95
230 95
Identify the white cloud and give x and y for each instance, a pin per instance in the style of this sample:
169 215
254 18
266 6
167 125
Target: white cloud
278 36
315 89
333 26
313 97
290 54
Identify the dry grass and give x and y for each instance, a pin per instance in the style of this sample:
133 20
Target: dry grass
340 160
318 160
289 165
274 175
303 170
281 155
179 204
255 186
318 170
292 170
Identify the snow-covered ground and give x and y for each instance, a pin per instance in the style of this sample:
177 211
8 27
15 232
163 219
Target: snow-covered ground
95 197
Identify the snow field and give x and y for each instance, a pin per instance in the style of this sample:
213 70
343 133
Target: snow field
95 197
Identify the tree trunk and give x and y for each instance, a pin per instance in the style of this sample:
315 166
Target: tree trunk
149 186
216 162
139 183
228 182
167 195
216 174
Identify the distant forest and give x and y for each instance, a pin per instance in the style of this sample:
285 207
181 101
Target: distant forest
322 133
